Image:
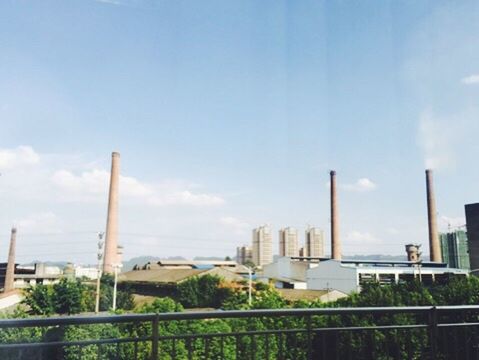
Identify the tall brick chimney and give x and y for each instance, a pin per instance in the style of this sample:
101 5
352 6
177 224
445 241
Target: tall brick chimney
10 274
335 240
110 258
434 246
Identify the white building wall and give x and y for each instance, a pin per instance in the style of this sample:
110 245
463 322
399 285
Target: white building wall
285 268
331 275
10 300
88 272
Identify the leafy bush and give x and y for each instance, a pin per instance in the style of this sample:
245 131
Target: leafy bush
73 297
203 291
39 299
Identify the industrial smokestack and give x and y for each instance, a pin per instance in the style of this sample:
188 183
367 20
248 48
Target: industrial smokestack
434 247
110 259
335 240
10 274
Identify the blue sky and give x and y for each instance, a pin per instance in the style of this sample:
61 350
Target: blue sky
230 114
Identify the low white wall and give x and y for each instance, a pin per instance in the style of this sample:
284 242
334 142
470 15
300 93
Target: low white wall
10 300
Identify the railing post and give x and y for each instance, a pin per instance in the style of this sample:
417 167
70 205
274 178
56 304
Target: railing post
433 331
310 337
154 337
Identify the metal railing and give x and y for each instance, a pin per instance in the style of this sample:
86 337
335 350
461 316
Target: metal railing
320 333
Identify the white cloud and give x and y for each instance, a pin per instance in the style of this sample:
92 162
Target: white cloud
236 224
44 222
446 222
393 231
436 138
96 182
357 237
471 79
18 157
111 2
37 186
93 182
362 185
185 197
93 185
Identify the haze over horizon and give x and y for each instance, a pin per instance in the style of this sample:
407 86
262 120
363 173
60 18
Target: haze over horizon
227 124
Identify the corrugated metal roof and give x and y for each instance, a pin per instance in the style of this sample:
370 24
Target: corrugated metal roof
173 276
159 275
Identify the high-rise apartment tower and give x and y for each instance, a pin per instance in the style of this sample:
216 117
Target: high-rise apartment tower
262 246
314 242
454 249
472 224
243 254
288 242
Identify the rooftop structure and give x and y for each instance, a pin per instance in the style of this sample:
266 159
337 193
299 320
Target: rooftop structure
161 282
413 253
186 264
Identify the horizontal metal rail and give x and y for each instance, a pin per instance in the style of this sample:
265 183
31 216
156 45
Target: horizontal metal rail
76 343
126 318
428 319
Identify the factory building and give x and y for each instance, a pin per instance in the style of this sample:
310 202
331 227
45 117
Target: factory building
348 276
286 273
30 275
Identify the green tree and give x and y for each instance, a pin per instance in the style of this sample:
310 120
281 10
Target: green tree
458 291
250 264
39 299
203 291
161 305
67 297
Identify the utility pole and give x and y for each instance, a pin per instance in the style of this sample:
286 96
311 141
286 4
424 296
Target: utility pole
250 285
99 257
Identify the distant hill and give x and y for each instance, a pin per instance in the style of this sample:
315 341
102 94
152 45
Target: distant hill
60 264
129 264
376 257
206 258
